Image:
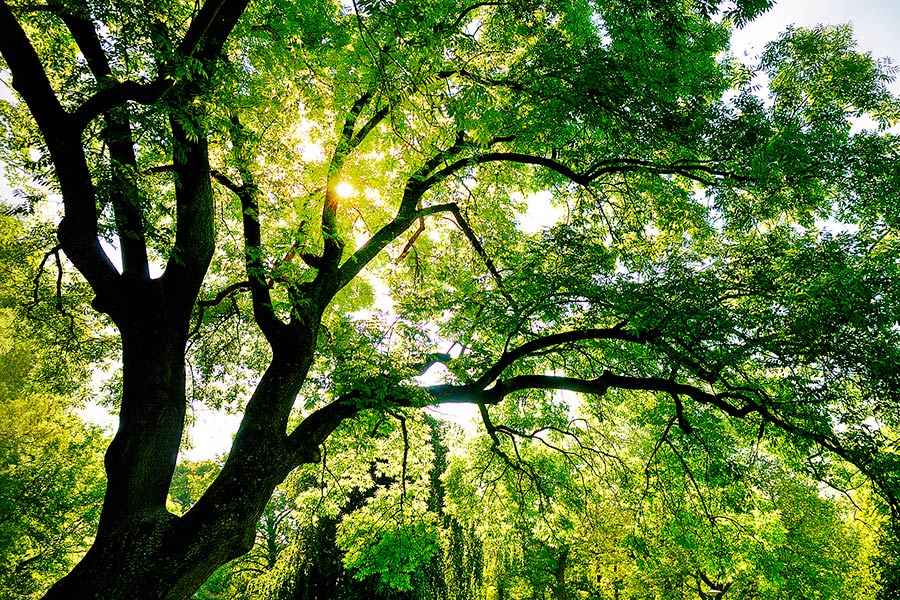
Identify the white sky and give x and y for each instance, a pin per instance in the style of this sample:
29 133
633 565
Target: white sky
876 25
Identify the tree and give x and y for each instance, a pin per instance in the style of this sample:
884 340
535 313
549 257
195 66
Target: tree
631 506
254 167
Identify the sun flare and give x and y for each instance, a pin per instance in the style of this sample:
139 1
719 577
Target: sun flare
344 190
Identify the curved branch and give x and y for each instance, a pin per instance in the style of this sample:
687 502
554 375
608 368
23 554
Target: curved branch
312 432
29 78
558 339
118 94
203 41
600 169
125 194
416 185
78 230
732 403
202 305
428 176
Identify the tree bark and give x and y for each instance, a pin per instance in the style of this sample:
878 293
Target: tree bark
143 551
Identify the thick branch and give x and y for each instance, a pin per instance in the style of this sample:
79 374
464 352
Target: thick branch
737 404
211 27
315 429
248 193
203 41
28 76
600 169
124 194
78 229
117 94
194 229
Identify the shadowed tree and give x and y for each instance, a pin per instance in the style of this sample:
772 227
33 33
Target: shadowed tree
253 167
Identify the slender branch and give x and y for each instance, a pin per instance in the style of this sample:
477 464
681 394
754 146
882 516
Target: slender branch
690 473
746 403
412 240
58 301
248 194
482 253
656 447
519 464
202 305
599 170
468 10
429 175
349 140
558 339
54 251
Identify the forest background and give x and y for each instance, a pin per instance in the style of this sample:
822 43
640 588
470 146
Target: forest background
698 339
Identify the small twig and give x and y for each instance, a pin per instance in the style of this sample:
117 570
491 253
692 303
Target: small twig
412 240
405 434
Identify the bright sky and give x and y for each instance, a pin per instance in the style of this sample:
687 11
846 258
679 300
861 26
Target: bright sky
876 25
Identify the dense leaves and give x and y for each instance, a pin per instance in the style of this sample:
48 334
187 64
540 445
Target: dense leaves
51 478
320 212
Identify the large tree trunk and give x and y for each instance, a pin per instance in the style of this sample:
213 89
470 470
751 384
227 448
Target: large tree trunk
150 556
142 550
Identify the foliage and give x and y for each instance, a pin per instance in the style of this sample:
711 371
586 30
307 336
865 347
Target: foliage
654 510
51 487
316 209
51 478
